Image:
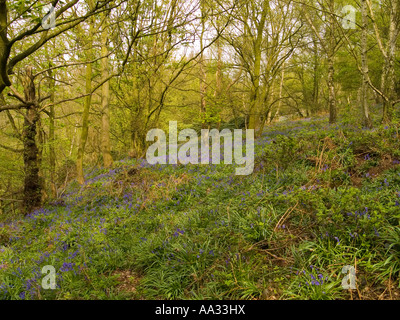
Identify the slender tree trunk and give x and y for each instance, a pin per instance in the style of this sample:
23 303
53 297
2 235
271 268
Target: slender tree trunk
85 125
331 93
388 74
32 186
218 74
136 112
105 101
364 66
278 109
52 151
86 109
218 77
40 144
266 112
315 77
52 139
254 95
203 74
331 68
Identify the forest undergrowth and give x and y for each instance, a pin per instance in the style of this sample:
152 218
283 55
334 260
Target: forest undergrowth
321 197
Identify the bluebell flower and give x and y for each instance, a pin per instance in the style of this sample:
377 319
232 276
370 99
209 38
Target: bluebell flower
67 266
337 239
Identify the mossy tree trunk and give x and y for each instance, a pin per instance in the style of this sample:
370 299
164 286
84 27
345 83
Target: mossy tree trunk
105 98
32 185
86 107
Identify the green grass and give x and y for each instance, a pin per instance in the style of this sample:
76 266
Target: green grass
321 197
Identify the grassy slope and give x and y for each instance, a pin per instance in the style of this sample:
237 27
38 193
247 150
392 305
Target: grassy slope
320 198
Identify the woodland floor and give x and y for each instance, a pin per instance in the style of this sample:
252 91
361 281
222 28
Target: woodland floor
321 197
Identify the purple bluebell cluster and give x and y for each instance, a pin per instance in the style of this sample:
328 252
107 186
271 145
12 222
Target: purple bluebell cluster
312 279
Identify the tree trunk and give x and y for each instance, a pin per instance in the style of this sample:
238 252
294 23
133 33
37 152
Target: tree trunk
4 46
52 139
331 69
315 77
218 78
364 66
388 74
255 92
40 144
105 101
85 125
203 74
86 109
32 187
331 88
136 111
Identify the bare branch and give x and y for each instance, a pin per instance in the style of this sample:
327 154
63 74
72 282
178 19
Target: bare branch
13 106
11 149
